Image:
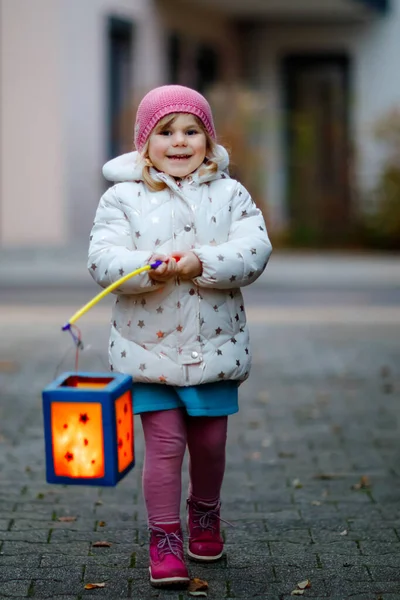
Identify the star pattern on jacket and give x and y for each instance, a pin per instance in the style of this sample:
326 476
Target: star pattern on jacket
93 266
214 314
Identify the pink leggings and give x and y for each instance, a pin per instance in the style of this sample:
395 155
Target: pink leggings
166 434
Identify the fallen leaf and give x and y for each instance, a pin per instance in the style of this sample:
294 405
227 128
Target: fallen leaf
93 586
364 483
98 503
101 545
198 587
301 587
326 476
316 503
344 532
8 366
102 523
286 455
66 519
296 483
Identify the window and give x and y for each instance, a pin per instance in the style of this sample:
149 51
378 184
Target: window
120 46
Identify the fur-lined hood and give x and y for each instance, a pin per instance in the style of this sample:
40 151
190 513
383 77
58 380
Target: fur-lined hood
129 167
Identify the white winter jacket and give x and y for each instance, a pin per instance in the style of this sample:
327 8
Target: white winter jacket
182 332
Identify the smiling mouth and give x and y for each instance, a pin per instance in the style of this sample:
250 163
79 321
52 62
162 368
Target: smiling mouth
179 157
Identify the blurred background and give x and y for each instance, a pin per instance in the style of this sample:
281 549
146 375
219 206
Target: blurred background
306 96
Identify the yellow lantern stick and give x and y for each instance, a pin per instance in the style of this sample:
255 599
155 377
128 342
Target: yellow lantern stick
106 291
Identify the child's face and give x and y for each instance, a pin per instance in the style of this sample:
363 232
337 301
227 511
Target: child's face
179 148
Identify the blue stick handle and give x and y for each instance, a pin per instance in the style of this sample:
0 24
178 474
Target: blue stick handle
156 264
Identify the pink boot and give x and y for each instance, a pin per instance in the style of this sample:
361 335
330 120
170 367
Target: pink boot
167 563
205 541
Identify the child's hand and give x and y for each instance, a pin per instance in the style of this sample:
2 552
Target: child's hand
188 266
166 271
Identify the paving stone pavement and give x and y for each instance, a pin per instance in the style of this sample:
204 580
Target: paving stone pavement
320 411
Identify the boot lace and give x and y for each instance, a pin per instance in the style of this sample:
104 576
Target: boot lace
206 519
168 543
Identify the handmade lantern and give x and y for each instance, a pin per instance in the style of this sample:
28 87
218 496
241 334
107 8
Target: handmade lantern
88 424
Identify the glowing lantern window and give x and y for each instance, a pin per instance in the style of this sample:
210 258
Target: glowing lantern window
88 424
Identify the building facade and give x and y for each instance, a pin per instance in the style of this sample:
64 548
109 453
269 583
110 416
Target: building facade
296 88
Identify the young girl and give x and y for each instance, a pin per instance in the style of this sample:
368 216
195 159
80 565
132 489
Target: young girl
179 330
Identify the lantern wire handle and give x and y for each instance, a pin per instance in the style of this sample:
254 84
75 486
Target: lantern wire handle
103 293
78 343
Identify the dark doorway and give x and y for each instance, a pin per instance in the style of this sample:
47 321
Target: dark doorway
318 147
120 43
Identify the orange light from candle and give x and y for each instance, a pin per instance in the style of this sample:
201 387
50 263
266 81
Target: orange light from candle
123 413
77 436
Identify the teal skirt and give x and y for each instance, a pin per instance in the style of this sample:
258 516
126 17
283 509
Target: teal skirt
207 400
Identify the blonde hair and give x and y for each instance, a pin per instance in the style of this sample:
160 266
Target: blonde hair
209 167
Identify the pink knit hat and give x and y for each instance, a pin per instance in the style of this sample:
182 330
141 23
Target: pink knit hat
169 99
